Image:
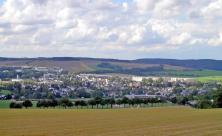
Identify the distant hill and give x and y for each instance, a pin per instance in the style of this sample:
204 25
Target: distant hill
153 67
195 64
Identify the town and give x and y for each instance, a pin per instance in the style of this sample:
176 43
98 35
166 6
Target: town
37 83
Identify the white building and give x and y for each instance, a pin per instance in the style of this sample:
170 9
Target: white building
17 79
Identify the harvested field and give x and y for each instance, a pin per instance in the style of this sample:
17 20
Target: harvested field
173 121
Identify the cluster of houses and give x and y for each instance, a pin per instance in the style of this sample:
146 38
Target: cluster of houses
59 84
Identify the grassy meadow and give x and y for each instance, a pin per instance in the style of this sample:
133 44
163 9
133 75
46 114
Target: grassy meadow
4 104
173 121
210 79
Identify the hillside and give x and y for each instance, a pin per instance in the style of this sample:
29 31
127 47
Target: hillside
154 67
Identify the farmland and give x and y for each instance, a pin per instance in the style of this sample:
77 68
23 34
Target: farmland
151 121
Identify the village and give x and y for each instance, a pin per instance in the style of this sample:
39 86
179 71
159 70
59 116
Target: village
47 83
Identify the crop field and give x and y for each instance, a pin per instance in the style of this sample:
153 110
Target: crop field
173 121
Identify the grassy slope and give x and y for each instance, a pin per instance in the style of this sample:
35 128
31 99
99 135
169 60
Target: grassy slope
177 121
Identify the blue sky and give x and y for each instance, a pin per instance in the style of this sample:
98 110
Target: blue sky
122 29
1 1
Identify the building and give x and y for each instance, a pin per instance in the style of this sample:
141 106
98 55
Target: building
17 79
141 96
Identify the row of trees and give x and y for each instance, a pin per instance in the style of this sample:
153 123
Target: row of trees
97 102
19 105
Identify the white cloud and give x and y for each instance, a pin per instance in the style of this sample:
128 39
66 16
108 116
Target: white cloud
104 26
180 39
213 9
217 41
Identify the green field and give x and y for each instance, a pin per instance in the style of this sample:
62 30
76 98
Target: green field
5 92
189 73
210 79
168 121
4 104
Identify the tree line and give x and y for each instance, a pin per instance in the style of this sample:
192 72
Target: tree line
97 102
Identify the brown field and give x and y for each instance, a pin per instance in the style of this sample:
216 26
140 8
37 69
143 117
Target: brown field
173 121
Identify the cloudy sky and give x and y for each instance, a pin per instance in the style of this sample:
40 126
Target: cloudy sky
124 29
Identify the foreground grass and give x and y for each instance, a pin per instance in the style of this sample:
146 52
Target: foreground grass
165 121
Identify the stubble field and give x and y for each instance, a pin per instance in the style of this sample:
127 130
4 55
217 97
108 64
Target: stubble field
173 121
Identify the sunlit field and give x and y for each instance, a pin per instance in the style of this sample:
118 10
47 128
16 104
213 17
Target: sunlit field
165 121
210 79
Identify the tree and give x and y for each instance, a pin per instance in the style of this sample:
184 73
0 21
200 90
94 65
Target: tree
98 101
27 103
183 100
119 102
69 104
125 101
92 102
111 101
16 105
82 103
8 97
146 101
137 101
43 103
173 100
204 104
218 98
12 104
39 104
53 103
132 102
77 103
65 103
103 102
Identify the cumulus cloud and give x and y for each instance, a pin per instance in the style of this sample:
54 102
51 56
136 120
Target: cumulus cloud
107 28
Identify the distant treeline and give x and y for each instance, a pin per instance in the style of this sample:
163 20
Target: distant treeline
92 103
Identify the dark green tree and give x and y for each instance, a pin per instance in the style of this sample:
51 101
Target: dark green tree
218 98
27 103
92 102
125 101
111 101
